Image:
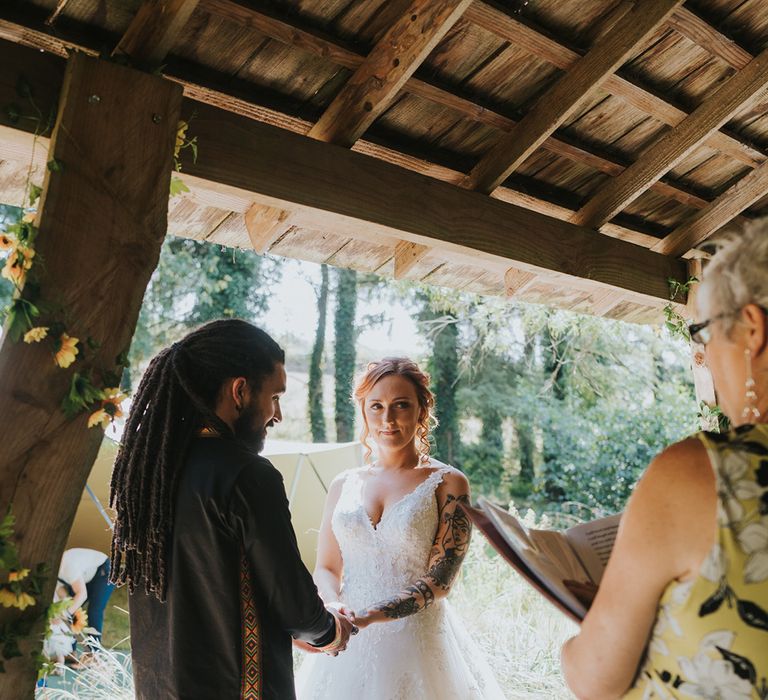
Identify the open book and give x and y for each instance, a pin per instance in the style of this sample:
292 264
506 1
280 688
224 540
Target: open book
546 558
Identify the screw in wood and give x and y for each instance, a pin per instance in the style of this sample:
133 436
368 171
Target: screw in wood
157 118
94 99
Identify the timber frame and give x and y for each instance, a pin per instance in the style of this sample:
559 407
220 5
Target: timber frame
463 143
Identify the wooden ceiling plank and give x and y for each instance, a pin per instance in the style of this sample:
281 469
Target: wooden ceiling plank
733 95
497 21
265 225
576 87
407 256
154 31
752 187
517 281
693 27
386 69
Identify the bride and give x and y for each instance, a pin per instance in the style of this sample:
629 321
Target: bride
391 543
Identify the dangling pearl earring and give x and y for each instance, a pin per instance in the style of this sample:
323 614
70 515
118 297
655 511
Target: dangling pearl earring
750 409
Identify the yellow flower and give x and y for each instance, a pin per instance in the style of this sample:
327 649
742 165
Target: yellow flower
79 621
181 135
67 351
8 599
110 409
35 335
29 217
24 600
17 264
7 241
100 417
18 575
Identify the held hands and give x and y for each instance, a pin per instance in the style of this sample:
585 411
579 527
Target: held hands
345 627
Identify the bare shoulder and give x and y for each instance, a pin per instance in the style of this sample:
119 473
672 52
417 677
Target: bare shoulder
680 466
339 480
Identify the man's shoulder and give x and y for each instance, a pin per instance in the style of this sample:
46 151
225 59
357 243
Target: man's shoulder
228 462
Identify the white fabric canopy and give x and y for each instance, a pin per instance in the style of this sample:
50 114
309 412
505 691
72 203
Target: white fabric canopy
307 468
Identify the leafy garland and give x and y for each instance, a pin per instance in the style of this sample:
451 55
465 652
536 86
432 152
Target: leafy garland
20 587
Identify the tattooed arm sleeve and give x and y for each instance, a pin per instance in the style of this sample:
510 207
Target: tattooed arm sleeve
448 551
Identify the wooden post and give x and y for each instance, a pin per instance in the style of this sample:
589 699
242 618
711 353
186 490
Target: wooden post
102 219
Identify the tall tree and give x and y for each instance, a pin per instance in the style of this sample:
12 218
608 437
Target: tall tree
315 388
344 353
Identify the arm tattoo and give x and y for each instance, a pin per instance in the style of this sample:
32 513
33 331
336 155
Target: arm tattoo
447 555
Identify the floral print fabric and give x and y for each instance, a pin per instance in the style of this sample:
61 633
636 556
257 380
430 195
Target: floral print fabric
711 634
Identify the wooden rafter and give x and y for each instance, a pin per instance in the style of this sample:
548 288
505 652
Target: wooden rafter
265 225
321 44
407 256
675 145
693 27
570 92
539 44
154 30
753 186
387 67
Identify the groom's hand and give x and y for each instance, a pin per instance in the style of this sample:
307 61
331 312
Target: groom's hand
307 648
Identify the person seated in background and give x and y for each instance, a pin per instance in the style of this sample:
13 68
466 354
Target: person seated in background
84 577
682 611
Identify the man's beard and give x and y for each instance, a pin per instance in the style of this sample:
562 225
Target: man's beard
252 437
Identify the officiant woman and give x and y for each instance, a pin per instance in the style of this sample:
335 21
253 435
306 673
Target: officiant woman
682 611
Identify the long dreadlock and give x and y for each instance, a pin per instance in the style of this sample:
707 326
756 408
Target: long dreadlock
175 399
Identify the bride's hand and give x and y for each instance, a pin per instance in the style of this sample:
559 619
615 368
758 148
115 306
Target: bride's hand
361 620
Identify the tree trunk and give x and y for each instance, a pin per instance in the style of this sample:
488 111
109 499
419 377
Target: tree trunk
554 351
344 354
316 412
101 224
526 450
444 370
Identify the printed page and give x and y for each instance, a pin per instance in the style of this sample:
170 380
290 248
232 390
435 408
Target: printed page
541 555
592 542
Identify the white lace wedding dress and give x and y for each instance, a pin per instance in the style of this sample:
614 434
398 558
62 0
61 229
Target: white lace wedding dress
427 656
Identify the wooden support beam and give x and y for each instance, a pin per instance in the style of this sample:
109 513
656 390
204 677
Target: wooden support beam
154 31
539 44
575 88
114 177
517 281
737 198
733 95
346 192
407 256
693 27
392 61
265 225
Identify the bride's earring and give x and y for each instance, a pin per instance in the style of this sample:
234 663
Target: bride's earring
751 410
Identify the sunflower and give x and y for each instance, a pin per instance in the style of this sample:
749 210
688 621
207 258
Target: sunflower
7 241
9 599
79 621
18 575
67 351
17 264
35 335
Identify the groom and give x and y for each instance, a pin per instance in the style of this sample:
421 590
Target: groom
203 535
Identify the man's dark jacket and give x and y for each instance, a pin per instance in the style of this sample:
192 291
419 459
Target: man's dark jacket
237 588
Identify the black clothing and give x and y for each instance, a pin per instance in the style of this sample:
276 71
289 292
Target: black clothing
237 592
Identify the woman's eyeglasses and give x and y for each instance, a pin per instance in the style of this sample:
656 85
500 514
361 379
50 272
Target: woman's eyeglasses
701 333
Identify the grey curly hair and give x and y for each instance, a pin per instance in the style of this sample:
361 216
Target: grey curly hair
737 275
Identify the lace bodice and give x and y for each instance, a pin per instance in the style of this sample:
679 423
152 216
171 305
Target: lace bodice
380 561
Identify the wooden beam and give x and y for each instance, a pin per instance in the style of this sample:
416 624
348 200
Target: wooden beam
325 46
733 95
575 88
693 27
737 198
154 31
116 160
539 44
265 225
392 61
343 191
407 256
517 281
45 71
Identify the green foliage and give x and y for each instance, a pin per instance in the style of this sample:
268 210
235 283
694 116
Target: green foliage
674 322
82 395
315 384
344 353
197 282
178 186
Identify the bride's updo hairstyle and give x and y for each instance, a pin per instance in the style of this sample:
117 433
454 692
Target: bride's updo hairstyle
410 370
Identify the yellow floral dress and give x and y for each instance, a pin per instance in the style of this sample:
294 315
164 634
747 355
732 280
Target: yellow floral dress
711 634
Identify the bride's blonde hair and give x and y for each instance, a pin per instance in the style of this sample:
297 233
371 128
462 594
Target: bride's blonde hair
407 368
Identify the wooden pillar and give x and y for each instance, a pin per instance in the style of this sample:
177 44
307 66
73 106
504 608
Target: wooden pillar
102 219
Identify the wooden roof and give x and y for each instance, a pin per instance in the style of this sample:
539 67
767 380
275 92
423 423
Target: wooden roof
615 122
